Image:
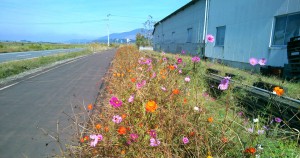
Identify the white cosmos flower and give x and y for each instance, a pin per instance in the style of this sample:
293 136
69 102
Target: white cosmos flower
255 120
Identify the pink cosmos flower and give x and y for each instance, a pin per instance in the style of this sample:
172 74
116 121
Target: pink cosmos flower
134 137
195 59
253 61
262 61
154 142
152 133
182 52
187 79
260 132
224 83
153 75
179 60
163 88
131 98
143 60
115 102
141 84
250 130
210 38
117 119
175 66
185 140
165 59
180 71
163 53
277 119
95 138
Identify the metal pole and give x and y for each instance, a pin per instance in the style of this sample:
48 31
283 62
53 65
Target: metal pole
108 29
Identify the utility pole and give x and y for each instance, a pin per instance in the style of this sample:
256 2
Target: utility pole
108 29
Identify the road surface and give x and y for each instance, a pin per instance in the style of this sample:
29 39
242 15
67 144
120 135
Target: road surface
40 101
4 57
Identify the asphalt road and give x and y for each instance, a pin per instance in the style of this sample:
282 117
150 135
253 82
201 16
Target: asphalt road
4 57
40 101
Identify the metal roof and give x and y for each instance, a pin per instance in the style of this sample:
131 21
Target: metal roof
175 12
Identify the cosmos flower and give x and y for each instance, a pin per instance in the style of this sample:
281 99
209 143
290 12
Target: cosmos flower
210 38
117 119
95 138
253 61
179 60
115 102
134 137
262 61
140 84
151 106
195 59
163 88
154 142
187 79
196 108
277 119
131 98
224 83
185 140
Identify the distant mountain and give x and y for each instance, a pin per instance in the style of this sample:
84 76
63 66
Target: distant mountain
80 41
124 35
114 37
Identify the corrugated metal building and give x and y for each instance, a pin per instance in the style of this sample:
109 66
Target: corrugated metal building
181 30
242 29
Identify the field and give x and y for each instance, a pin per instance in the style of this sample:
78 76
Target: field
6 47
160 105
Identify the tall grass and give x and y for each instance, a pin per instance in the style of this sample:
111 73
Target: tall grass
150 109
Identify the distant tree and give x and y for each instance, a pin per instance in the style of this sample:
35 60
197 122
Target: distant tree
140 40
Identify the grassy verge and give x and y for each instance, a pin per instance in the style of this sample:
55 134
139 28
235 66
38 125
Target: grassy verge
158 105
15 67
247 77
21 46
8 69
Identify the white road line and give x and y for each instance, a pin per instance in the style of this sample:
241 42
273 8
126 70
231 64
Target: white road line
23 55
40 73
8 86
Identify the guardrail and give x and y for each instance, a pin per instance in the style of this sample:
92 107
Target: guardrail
260 100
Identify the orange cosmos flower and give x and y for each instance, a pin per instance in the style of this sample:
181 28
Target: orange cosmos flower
106 129
163 77
224 140
90 107
81 140
172 67
192 134
98 126
123 152
176 91
151 106
133 80
250 150
124 116
185 100
122 130
210 119
278 91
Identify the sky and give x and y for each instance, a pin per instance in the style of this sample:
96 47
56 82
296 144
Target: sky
63 20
